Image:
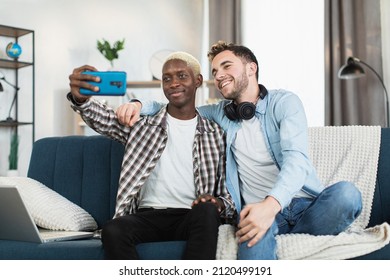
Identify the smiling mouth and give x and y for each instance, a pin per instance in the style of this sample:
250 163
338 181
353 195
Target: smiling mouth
224 83
176 92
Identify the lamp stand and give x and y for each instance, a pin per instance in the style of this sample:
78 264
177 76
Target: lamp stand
9 118
353 70
384 90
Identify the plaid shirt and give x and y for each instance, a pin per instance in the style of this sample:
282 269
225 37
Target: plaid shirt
144 144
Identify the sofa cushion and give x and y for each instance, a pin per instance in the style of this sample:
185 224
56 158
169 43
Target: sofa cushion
48 208
164 250
85 249
83 169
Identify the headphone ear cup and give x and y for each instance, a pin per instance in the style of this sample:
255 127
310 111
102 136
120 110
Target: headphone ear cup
230 111
246 110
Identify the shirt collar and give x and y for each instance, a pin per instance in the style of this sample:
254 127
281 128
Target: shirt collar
263 101
160 119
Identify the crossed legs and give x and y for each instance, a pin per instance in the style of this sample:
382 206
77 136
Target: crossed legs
331 212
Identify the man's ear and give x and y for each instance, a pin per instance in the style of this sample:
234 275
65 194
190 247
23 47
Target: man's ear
252 68
199 80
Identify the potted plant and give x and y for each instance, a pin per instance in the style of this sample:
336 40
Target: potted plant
13 155
110 52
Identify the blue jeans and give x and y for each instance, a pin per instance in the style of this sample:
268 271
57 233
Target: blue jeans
331 212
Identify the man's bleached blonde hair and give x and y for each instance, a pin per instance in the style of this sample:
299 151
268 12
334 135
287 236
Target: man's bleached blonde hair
191 61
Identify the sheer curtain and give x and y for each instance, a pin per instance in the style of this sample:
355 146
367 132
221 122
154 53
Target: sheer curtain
288 40
224 24
353 28
225 21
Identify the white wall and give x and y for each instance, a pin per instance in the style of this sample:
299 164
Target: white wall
287 38
65 38
66 34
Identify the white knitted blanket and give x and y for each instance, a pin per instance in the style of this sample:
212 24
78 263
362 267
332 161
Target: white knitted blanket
339 153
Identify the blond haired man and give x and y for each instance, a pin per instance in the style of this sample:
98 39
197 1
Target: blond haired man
172 184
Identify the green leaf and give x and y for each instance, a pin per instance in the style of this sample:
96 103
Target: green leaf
110 53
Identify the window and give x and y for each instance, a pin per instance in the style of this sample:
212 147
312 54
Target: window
287 38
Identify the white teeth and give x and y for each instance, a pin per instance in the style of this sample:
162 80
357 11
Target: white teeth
224 84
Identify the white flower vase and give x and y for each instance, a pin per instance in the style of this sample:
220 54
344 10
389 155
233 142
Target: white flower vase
12 173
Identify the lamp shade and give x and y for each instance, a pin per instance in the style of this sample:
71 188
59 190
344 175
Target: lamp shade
351 70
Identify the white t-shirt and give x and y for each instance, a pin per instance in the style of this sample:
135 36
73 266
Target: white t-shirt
256 169
171 183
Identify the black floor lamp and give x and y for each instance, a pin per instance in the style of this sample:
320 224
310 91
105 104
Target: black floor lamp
353 70
2 78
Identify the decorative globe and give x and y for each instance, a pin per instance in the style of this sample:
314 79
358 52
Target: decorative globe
13 50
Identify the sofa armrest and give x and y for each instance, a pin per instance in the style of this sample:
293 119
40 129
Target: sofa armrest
381 204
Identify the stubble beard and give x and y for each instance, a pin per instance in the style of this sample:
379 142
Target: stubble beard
240 86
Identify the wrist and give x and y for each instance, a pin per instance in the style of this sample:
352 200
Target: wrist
221 204
80 100
273 203
137 104
75 100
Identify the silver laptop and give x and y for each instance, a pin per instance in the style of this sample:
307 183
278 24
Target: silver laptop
16 222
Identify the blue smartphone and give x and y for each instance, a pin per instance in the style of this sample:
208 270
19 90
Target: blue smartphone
111 83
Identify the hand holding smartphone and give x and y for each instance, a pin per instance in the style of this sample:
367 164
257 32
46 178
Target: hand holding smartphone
111 83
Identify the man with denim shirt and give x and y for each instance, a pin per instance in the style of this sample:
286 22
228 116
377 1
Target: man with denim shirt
172 182
269 174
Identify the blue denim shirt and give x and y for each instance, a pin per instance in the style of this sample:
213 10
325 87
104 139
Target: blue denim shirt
283 122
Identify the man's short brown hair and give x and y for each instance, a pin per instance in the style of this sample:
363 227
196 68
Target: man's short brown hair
244 53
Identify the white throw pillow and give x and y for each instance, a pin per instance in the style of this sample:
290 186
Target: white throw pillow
48 208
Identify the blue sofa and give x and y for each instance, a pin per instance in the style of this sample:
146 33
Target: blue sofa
85 169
